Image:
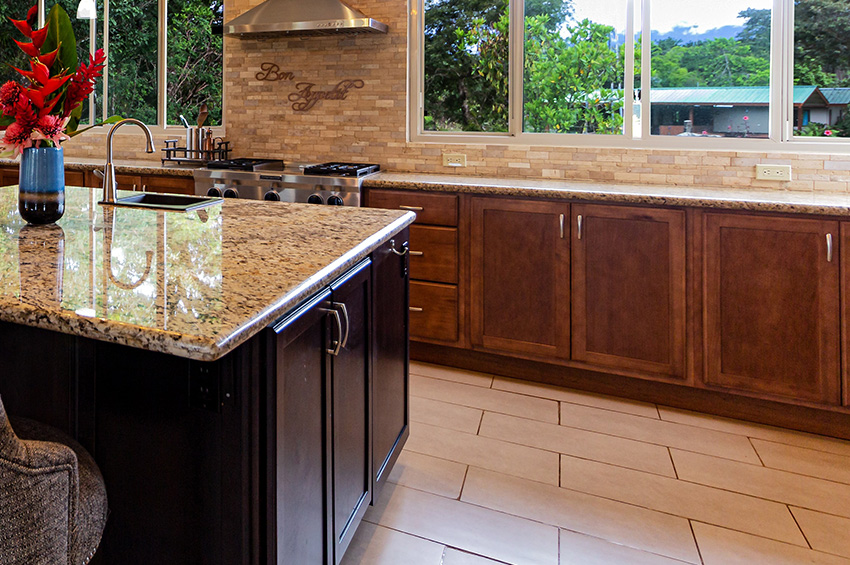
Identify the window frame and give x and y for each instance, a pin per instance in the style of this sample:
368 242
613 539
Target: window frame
781 135
161 126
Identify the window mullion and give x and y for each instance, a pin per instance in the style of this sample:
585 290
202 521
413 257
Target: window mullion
162 75
516 53
629 75
106 53
645 72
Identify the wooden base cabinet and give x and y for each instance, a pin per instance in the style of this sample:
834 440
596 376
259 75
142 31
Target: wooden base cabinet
771 306
321 443
520 276
628 288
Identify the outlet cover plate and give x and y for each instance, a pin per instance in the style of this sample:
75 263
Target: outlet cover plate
780 173
454 160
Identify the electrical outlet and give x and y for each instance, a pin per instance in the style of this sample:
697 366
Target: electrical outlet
454 160
773 172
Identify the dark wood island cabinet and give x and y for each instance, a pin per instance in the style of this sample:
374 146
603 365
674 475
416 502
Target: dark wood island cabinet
264 451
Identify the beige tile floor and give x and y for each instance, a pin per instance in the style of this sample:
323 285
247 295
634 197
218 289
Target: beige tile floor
503 471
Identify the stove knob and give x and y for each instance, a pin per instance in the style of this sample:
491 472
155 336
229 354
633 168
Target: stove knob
335 201
231 193
214 192
272 196
315 199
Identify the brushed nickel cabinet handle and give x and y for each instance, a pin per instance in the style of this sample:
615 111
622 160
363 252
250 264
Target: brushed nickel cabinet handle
412 208
336 344
134 187
417 253
144 188
578 221
829 247
344 311
562 226
404 248
415 309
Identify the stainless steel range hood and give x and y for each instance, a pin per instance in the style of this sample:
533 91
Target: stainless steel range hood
276 18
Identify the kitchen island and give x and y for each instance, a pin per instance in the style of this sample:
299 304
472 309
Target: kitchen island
239 373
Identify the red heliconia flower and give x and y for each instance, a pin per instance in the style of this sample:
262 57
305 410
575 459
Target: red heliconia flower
29 49
10 93
17 137
50 128
83 82
25 26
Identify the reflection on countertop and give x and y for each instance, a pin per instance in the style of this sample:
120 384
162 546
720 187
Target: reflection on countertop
194 284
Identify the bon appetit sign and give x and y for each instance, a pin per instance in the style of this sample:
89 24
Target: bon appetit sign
307 94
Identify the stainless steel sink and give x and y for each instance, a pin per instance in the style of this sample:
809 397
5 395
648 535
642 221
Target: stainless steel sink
168 202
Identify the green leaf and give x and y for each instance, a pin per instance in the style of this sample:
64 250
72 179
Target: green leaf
109 120
6 120
61 34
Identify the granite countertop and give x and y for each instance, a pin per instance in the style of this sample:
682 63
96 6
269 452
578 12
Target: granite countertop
194 284
123 166
789 202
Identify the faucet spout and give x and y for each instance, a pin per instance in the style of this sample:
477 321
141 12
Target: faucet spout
110 185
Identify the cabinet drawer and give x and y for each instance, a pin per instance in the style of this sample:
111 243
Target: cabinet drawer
433 254
75 178
430 208
172 184
433 311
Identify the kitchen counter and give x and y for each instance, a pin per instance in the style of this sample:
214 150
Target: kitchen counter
194 285
123 166
777 201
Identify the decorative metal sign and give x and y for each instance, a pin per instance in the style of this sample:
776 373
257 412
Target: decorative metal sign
272 73
306 96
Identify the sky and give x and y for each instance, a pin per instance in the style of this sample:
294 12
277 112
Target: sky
667 14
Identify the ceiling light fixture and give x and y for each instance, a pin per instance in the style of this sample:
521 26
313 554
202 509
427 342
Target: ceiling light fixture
86 10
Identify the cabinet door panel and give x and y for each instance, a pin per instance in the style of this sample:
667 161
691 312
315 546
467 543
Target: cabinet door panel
352 477
520 276
771 306
298 447
390 360
433 311
628 293
845 309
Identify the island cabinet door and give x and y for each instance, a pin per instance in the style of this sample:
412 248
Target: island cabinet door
298 460
390 413
772 306
628 288
520 274
350 416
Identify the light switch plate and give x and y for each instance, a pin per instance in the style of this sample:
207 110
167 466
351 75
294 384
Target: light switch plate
773 172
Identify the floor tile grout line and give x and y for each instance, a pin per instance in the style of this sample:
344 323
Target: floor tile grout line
691 482
843 456
794 517
480 423
444 544
818 551
656 406
673 463
750 439
689 518
696 542
462 483
619 544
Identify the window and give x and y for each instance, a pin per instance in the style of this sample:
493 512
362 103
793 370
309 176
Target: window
723 74
164 57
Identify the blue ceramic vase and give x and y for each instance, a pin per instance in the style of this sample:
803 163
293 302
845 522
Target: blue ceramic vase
41 185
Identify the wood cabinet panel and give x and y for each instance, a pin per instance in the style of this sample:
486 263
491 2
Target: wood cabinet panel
433 254
520 271
772 306
8 176
390 409
165 183
845 310
628 288
75 178
433 311
431 208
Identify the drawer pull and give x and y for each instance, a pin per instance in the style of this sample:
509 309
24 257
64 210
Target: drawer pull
829 247
412 208
415 309
417 253
578 221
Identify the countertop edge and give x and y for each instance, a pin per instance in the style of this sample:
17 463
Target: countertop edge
133 167
756 200
192 346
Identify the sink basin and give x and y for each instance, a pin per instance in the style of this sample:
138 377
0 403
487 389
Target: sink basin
167 202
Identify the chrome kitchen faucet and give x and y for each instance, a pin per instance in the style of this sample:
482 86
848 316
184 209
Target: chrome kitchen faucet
109 184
